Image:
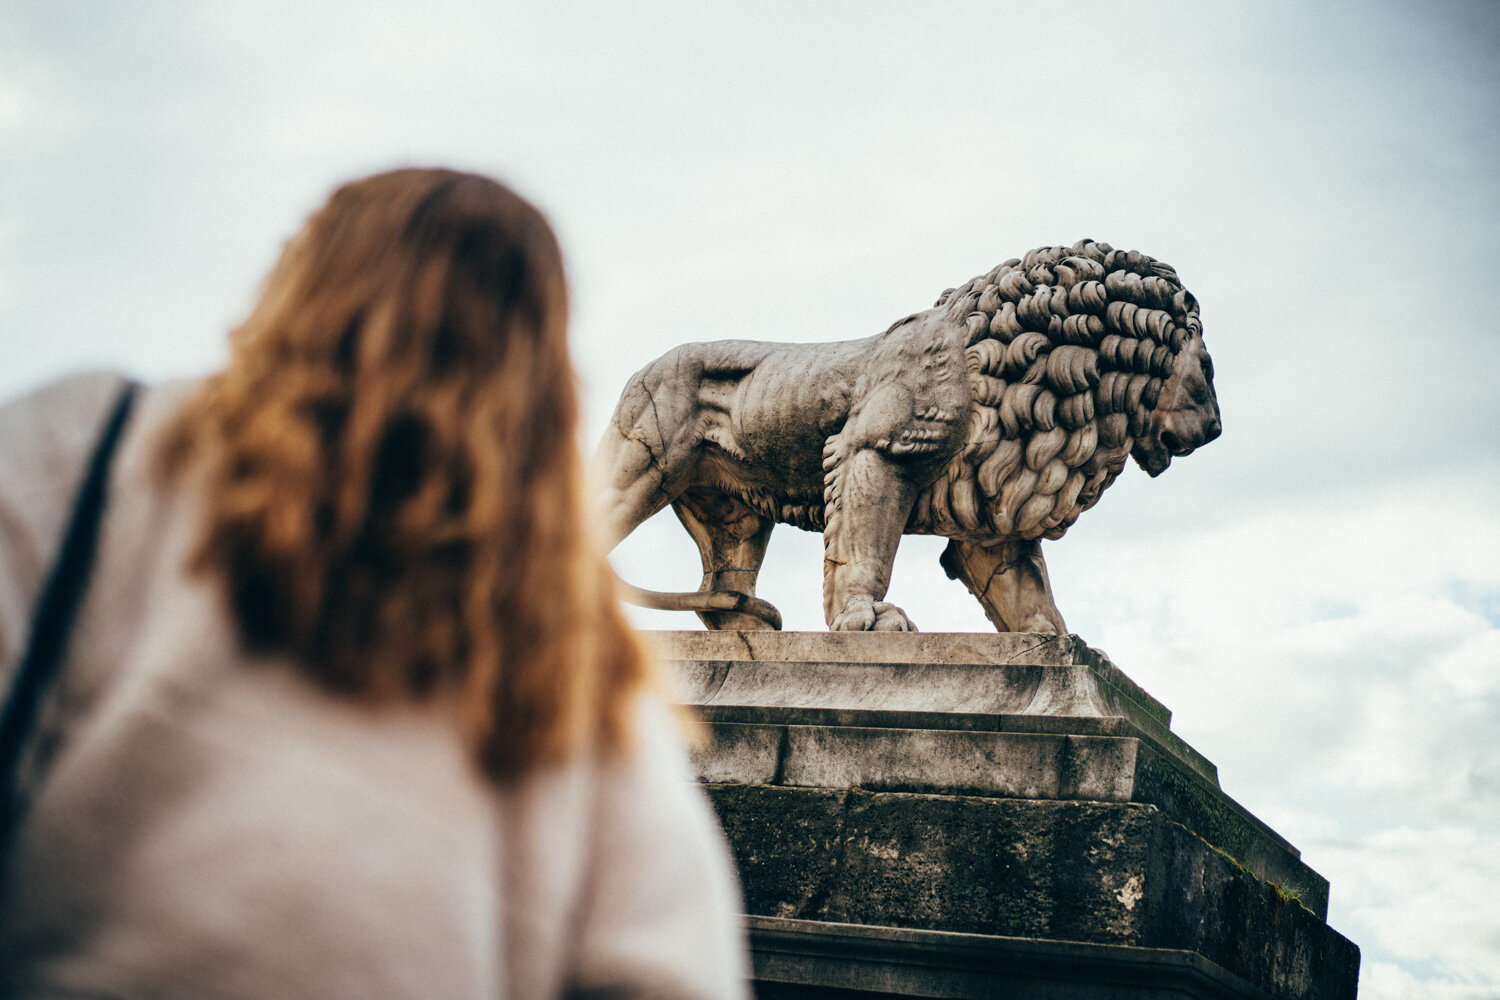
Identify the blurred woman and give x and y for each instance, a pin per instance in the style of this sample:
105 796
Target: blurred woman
350 709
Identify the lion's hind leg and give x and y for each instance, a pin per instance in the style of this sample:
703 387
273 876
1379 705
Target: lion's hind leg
1010 580
631 485
732 541
650 450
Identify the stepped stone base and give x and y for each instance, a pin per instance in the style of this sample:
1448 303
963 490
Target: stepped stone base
804 959
942 815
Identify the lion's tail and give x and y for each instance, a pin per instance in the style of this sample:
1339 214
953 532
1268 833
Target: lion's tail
704 600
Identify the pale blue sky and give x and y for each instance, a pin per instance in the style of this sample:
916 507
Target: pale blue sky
1316 595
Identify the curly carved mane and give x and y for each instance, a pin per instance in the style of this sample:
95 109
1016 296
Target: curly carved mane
1068 349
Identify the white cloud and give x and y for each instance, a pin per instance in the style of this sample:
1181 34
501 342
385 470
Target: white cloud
36 112
1423 897
15 108
1389 981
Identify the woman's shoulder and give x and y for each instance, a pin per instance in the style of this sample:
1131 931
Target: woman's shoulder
57 412
46 437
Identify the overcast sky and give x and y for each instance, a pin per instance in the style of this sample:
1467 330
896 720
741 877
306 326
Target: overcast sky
1316 595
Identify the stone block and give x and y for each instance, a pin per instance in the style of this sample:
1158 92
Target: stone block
995 681
811 960
1105 873
988 815
872 647
1118 768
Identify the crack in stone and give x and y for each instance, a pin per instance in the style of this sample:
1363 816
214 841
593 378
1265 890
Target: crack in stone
723 679
783 751
661 472
744 641
1029 649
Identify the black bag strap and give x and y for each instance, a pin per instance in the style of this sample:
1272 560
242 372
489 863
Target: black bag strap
52 621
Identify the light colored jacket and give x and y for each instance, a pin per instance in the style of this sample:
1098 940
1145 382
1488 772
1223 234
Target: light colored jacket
213 826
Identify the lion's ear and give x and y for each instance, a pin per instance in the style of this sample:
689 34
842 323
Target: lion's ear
1184 302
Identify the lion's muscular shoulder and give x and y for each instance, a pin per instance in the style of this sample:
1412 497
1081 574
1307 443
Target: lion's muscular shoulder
911 400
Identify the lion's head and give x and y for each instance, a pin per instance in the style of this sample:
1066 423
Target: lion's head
1078 358
1187 412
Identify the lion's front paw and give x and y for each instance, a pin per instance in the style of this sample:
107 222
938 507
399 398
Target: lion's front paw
1043 621
1040 625
864 614
889 618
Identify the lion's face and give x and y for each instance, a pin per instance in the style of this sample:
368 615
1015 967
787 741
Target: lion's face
1186 415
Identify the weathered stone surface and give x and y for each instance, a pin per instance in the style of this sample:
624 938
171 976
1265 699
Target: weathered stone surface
964 689
922 680
918 696
993 419
1114 768
1016 790
789 842
1016 765
1106 873
1072 726
1019 765
875 647
810 960
1230 828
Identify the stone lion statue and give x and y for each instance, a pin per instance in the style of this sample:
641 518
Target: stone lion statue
993 419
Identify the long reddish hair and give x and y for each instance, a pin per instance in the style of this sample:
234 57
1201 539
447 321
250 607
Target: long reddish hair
392 474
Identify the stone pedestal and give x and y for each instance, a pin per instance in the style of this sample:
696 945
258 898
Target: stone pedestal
976 815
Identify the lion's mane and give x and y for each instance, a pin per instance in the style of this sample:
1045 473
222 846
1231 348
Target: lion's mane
1067 351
